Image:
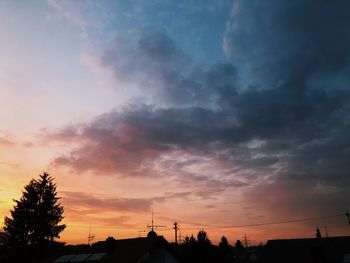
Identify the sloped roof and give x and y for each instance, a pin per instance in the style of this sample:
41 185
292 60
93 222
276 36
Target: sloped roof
130 250
123 250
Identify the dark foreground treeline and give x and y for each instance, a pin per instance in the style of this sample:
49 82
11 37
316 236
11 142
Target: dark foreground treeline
198 249
192 249
202 250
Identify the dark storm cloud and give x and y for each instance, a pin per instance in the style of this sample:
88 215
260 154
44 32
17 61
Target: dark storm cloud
222 83
122 141
280 113
276 116
151 59
133 142
285 42
296 55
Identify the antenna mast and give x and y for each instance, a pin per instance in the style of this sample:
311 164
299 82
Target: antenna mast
90 237
153 226
152 219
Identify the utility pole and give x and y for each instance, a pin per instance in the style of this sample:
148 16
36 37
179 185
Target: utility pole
348 217
175 228
245 241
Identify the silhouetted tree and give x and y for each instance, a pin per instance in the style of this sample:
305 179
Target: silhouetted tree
223 243
203 239
239 245
35 217
193 240
205 249
110 244
190 241
225 250
189 249
239 250
186 241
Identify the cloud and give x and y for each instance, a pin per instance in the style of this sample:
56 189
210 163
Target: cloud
161 70
290 198
85 14
8 164
275 116
82 205
5 142
132 141
92 204
294 66
285 43
151 142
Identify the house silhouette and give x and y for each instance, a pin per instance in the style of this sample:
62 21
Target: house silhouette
152 248
308 250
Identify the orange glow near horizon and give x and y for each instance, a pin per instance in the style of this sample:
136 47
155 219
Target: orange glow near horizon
102 202
129 224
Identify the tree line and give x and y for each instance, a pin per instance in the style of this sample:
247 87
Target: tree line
202 250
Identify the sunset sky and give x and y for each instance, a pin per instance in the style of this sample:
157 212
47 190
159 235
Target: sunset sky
213 112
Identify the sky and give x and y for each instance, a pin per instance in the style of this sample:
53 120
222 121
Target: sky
210 113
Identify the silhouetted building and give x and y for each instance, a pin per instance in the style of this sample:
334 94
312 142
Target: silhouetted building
134 250
308 250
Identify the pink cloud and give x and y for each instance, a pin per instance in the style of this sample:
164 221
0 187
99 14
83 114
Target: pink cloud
6 142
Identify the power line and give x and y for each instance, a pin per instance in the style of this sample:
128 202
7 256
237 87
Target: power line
218 227
272 223
183 234
117 227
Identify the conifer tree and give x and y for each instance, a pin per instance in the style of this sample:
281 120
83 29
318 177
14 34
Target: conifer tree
35 218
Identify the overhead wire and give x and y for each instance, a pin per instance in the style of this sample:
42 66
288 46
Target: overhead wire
214 227
270 223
